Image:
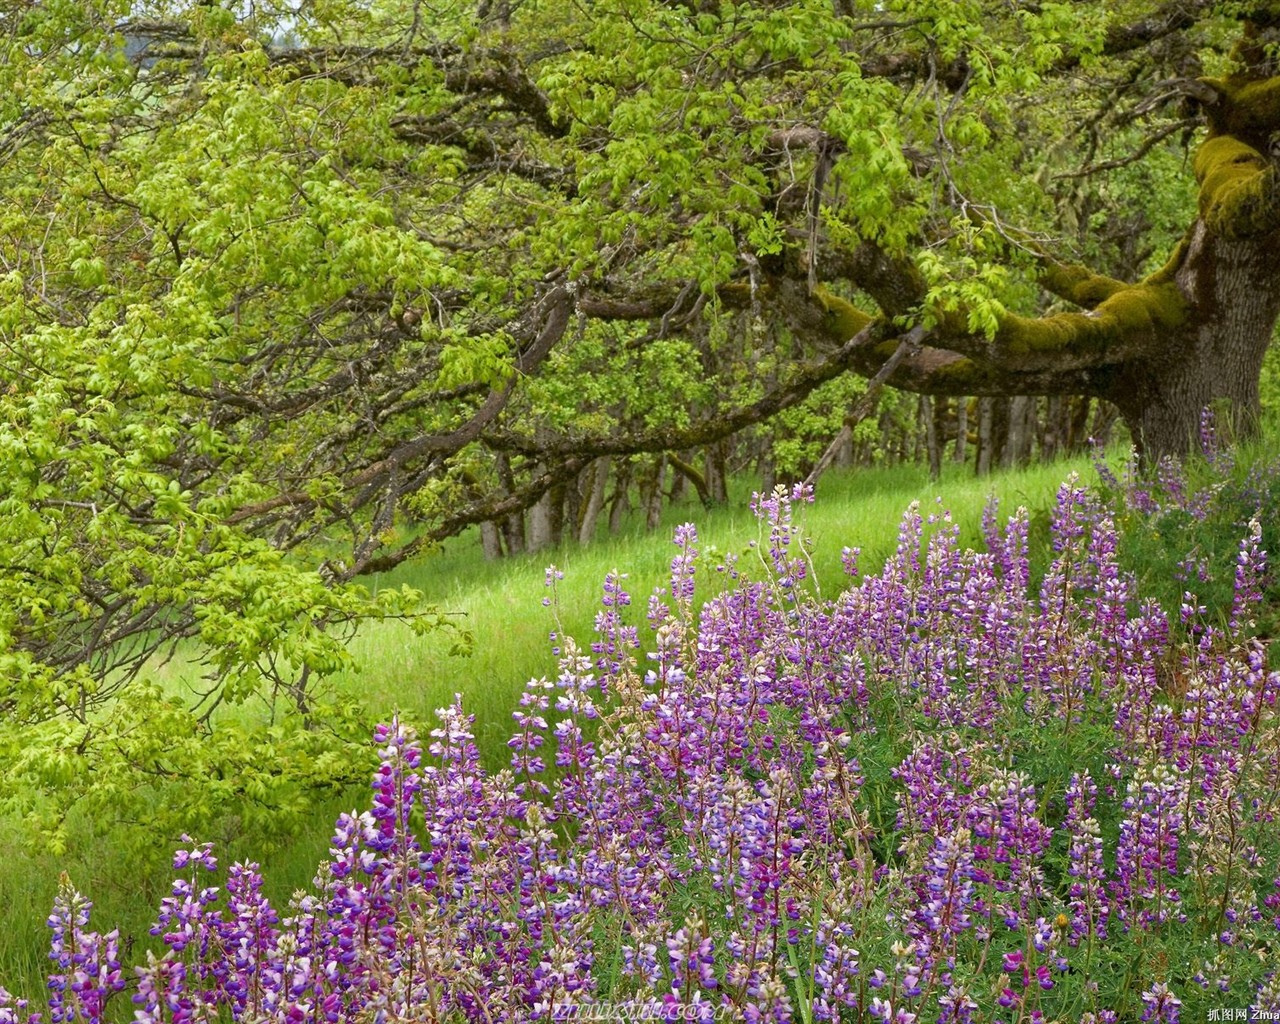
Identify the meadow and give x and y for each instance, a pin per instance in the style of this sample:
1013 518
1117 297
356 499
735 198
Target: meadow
500 604
967 723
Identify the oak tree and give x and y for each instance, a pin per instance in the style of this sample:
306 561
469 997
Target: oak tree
290 291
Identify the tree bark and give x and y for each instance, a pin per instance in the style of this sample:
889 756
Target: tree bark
1078 427
1051 437
513 524
687 473
652 493
571 509
986 419
490 541
1017 436
1218 357
599 482
928 412
538 532
715 458
621 503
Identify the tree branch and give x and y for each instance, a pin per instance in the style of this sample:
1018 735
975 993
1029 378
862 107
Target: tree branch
1078 284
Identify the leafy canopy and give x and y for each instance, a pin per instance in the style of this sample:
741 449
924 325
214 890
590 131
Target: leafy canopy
288 292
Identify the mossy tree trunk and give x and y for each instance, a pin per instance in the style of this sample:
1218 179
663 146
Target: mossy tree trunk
1156 352
1232 286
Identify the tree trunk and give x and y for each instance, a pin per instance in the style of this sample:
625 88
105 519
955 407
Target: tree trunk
1078 428
1104 419
962 428
490 541
599 482
844 454
928 412
986 418
571 508
652 493
556 512
717 474
686 473
621 503
1233 285
768 477
513 533
679 483
1017 436
1055 418
512 525
538 534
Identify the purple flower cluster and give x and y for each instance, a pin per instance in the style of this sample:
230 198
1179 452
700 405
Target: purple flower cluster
946 794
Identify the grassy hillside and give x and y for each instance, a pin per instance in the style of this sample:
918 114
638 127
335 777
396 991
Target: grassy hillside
501 605
501 602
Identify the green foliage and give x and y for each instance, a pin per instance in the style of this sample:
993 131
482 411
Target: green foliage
1269 385
800 435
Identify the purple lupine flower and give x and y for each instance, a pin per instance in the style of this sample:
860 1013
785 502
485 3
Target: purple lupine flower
1251 569
617 640
1147 852
949 890
727 768
1159 1004
1004 816
692 958
16 1011
1088 904
88 970
683 565
249 936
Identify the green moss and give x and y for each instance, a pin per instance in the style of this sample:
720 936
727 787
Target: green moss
844 319
1129 312
1237 181
1236 187
1162 305
1249 107
952 377
1079 284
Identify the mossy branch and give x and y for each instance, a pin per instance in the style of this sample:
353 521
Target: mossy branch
948 371
1078 284
1244 107
843 319
1130 321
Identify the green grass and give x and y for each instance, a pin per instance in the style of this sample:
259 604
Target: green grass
500 603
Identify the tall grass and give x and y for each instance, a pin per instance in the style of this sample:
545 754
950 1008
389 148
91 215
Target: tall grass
500 604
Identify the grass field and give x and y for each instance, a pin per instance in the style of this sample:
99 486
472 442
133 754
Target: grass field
501 604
